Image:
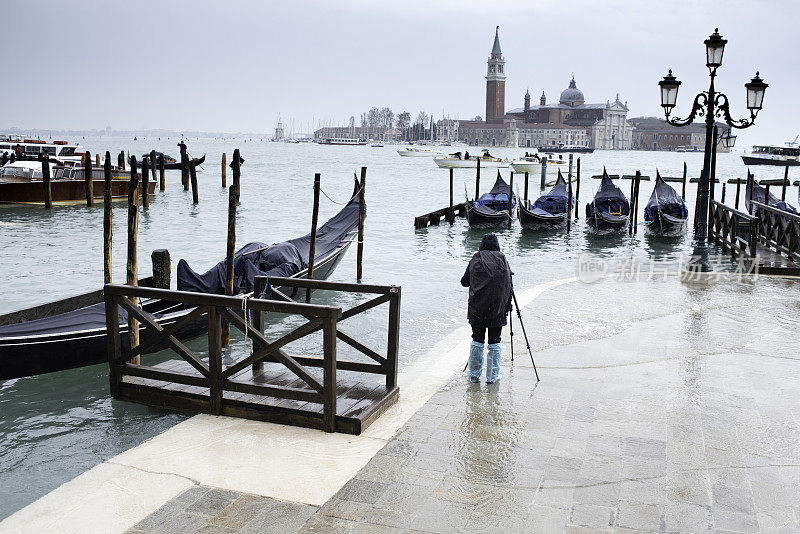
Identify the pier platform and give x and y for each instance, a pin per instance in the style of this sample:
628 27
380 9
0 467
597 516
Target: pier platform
358 402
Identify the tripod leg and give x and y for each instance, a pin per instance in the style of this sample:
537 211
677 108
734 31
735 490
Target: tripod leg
524 333
511 329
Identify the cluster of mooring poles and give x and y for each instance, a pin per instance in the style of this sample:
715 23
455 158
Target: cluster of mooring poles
161 258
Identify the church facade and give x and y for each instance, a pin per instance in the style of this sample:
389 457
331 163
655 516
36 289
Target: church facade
571 121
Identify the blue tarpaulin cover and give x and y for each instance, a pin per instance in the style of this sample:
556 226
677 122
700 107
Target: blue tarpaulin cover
666 200
609 201
495 200
281 259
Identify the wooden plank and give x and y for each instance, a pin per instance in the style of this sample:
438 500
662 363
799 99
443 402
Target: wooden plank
329 375
215 360
304 283
154 373
279 392
361 347
162 335
393 343
113 343
172 341
206 299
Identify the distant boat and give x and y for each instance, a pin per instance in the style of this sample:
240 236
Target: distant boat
533 164
455 161
416 152
773 155
341 141
377 145
492 208
609 211
549 210
566 148
665 213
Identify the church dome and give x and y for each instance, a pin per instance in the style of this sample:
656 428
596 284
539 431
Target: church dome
571 96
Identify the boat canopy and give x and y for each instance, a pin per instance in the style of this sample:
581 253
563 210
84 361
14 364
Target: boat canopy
666 200
281 259
496 199
555 201
609 199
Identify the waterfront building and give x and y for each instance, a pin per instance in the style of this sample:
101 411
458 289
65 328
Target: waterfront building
571 121
652 133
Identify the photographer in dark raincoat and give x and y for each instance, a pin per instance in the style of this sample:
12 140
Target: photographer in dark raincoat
488 277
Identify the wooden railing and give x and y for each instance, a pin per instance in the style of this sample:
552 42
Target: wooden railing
218 378
778 229
733 229
386 365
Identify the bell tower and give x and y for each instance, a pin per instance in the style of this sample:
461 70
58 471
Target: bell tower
495 83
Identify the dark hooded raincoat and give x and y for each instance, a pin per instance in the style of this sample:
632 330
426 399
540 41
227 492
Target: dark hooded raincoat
488 277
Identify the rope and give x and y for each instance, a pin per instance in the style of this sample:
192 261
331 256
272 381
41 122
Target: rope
334 201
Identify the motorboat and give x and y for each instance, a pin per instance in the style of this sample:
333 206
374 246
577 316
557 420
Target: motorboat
566 148
21 182
773 155
341 141
456 161
31 149
417 152
533 164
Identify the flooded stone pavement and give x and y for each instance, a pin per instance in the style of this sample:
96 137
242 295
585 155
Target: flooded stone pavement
680 416
680 422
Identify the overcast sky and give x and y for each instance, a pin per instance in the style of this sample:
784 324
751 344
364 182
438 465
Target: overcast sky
234 66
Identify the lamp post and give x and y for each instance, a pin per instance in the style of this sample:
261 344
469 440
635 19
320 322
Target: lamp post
711 104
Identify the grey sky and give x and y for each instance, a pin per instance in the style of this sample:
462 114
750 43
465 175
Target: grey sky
234 66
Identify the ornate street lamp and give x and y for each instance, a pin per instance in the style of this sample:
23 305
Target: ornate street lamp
710 104
727 139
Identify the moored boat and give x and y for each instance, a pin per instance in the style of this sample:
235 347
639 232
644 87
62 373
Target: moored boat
773 155
665 213
31 149
341 141
21 182
492 208
71 332
566 148
548 211
759 194
470 162
533 164
609 211
417 152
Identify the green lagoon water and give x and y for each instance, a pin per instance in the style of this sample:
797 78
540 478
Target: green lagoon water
55 426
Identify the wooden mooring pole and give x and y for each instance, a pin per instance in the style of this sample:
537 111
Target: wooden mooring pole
544 173
683 188
162 268
193 177
145 182
184 169
722 200
478 178
233 199
510 197
87 178
237 174
97 159
153 166
749 187
224 170
162 182
48 197
636 209
360 250
313 244
526 189
107 227
132 265
785 182
451 188
121 160
738 187
577 188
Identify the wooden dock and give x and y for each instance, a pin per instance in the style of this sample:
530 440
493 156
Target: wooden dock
434 218
268 384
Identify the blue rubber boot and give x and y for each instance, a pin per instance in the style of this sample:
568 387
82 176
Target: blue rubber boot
493 363
475 361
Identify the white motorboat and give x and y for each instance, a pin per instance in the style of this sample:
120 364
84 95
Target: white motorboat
781 156
417 152
32 148
534 165
452 162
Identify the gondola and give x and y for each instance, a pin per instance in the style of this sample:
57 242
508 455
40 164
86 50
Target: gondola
71 332
549 210
491 209
759 193
610 211
665 213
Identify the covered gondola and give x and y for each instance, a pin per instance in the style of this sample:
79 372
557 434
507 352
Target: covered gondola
72 333
665 213
609 211
491 209
548 211
759 194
